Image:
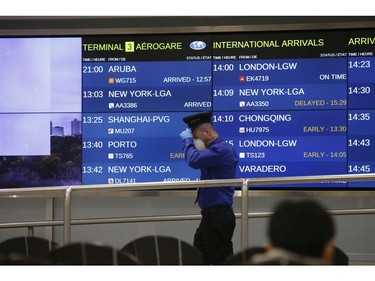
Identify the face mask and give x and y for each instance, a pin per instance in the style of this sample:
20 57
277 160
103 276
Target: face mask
199 144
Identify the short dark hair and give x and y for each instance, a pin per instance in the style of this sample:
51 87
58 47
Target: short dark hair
303 227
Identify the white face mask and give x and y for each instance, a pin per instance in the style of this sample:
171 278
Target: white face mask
199 144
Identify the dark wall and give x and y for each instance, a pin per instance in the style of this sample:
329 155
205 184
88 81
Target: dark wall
28 25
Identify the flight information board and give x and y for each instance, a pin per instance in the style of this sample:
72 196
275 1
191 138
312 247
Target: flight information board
136 90
289 94
103 109
291 103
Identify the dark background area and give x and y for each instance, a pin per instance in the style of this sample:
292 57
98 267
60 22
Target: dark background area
27 25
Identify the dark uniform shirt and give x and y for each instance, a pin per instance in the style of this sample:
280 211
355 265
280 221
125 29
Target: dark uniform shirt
218 161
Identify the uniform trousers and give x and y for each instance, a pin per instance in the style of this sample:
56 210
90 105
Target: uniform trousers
213 236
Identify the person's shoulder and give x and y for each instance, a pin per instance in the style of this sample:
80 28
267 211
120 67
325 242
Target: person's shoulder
221 143
280 256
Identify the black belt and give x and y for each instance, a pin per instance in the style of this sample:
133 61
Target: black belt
216 210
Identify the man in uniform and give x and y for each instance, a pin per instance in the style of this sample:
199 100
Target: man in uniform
216 160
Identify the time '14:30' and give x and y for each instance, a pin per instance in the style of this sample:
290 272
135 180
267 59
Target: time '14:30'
362 90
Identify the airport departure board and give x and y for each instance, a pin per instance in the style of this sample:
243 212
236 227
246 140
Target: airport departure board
292 103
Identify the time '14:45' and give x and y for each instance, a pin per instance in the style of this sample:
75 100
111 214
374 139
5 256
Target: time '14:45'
359 168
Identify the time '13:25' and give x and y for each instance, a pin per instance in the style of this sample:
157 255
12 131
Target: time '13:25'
92 119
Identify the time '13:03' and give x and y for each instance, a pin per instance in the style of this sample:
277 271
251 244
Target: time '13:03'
92 94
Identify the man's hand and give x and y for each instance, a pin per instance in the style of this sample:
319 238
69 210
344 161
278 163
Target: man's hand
186 134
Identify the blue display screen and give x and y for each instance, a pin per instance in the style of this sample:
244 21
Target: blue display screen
291 103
